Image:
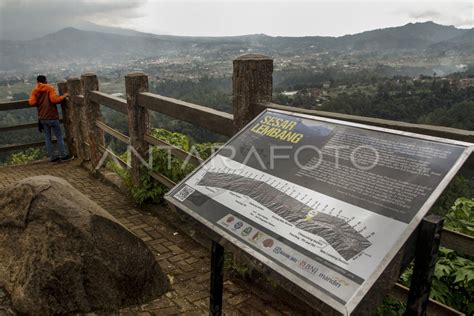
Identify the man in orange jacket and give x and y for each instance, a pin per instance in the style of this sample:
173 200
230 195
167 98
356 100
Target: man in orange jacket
45 99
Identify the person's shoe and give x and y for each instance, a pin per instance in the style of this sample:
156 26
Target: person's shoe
66 158
55 159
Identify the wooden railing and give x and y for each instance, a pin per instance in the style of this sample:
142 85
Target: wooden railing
14 105
252 91
213 120
18 105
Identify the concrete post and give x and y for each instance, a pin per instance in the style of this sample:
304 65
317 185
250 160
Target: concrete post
74 89
251 84
138 123
94 135
67 116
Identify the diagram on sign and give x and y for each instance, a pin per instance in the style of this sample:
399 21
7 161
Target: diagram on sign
337 232
341 233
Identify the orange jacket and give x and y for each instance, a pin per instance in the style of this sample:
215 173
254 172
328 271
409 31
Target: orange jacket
46 108
44 87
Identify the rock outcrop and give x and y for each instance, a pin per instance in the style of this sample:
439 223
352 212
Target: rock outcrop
61 253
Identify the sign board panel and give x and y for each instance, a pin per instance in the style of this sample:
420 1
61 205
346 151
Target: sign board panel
325 203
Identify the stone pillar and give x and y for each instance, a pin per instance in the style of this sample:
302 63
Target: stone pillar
251 84
138 123
93 134
67 116
74 89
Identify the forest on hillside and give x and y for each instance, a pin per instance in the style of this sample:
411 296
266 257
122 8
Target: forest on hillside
431 101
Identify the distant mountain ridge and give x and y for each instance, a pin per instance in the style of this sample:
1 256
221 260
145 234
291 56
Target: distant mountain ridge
409 36
115 45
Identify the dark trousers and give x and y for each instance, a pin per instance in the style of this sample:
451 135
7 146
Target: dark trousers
49 127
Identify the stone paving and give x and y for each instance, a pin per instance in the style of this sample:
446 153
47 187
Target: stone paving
185 262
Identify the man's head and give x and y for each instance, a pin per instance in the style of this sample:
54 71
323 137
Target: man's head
41 79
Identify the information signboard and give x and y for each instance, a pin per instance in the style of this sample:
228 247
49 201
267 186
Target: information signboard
325 203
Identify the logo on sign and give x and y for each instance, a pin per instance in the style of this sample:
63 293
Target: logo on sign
246 231
257 236
238 225
268 243
308 267
281 252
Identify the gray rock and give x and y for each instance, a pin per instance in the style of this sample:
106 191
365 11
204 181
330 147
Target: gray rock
61 253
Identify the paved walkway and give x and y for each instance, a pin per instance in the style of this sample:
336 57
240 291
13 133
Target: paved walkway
184 261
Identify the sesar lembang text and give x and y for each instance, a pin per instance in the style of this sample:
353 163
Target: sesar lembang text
278 128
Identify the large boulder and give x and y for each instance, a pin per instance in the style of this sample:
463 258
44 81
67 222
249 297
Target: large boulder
61 253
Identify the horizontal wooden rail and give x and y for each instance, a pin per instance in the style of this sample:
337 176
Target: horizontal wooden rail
213 120
438 131
162 179
461 243
18 127
175 151
434 308
110 152
14 105
107 100
112 132
23 146
21 126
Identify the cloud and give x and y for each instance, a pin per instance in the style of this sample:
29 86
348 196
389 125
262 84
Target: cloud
25 19
454 13
429 14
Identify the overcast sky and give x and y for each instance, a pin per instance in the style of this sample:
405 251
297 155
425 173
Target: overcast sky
30 18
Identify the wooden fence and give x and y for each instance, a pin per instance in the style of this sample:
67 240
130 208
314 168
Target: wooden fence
252 92
18 105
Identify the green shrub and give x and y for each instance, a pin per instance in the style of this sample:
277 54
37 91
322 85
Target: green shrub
173 168
459 186
390 307
453 280
461 216
23 157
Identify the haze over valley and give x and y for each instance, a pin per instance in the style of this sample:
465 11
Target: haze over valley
411 49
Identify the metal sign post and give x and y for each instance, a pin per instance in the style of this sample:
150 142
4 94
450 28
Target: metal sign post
217 279
426 255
